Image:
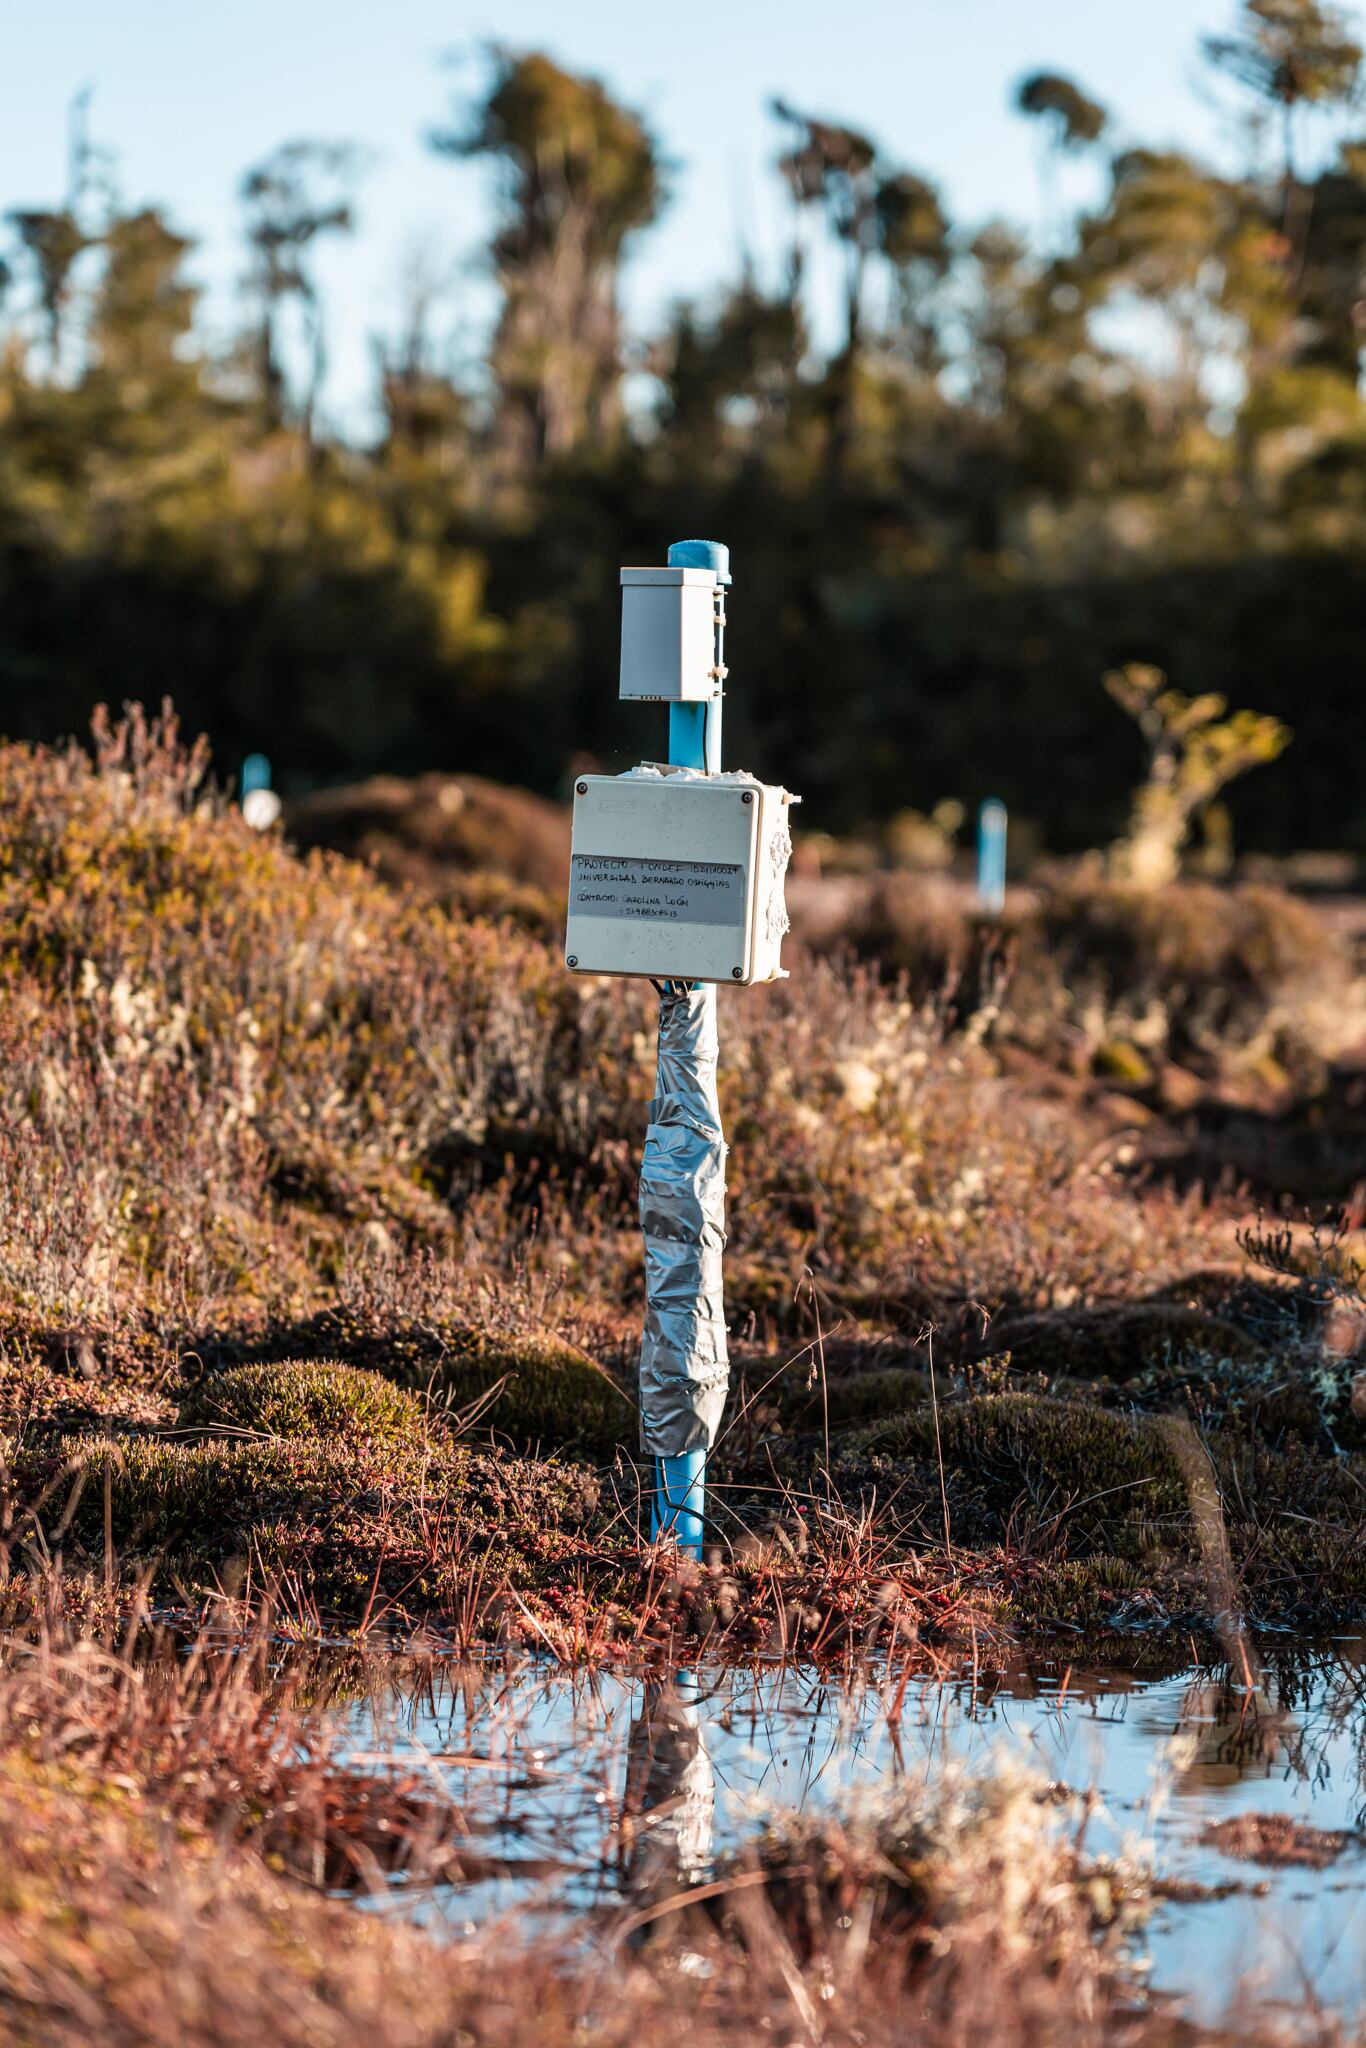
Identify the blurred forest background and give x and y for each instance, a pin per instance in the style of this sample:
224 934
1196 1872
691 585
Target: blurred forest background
1140 440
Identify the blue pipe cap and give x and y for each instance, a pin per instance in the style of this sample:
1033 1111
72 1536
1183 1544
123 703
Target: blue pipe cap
701 554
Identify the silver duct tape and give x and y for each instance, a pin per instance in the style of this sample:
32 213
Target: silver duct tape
684 1366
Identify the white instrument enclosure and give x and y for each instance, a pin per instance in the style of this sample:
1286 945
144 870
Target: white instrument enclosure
668 636
678 876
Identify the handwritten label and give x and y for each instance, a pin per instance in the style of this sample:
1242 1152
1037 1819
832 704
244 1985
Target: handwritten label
657 891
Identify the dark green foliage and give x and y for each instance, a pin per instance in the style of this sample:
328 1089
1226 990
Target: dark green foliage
1121 1504
308 1398
544 1395
968 559
851 1398
1078 1479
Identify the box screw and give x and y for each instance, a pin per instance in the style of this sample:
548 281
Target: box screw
572 960
581 788
736 972
748 797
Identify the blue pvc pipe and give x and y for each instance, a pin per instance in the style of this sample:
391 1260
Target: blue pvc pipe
694 742
695 729
688 735
680 1500
701 554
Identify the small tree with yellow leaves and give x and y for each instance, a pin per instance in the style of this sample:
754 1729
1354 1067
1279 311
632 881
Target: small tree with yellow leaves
1194 750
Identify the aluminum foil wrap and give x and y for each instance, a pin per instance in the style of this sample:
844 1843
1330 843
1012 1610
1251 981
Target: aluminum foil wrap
684 1366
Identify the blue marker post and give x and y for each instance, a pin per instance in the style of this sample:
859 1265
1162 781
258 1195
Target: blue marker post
991 857
694 742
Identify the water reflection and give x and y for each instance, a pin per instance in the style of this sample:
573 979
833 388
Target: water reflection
1296 1724
618 1785
668 1807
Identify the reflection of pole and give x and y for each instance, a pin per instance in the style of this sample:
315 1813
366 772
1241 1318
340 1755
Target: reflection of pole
670 1797
683 1362
991 857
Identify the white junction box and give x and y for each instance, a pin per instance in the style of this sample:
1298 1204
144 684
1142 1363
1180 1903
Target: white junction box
678 875
668 635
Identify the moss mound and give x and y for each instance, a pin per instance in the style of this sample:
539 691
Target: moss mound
1206 1516
1084 1476
325 1508
853 1398
308 1398
552 1398
1117 1342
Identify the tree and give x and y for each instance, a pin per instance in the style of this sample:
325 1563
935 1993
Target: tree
1165 238
1069 121
1193 752
302 191
426 413
1334 283
53 240
747 352
142 392
1290 54
144 309
874 212
578 176
1072 120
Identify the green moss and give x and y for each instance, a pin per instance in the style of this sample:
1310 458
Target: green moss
1065 1475
1113 1498
853 1398
552 1398
308 1398
1117 1342
329 1505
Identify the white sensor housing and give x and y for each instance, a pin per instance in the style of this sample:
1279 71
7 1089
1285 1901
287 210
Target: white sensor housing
668 635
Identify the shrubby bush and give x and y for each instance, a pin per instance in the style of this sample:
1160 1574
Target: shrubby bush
225 1067
1098 974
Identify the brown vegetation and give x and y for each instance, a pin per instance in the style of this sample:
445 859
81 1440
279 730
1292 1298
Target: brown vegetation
273 1130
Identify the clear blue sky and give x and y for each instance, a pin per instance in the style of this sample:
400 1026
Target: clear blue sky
188 94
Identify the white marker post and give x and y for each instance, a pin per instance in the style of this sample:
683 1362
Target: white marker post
260 804
677 873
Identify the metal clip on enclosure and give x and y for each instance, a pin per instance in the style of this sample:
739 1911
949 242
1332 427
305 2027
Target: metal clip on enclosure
677 873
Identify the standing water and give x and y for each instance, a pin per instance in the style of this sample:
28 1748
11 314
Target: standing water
588 1790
